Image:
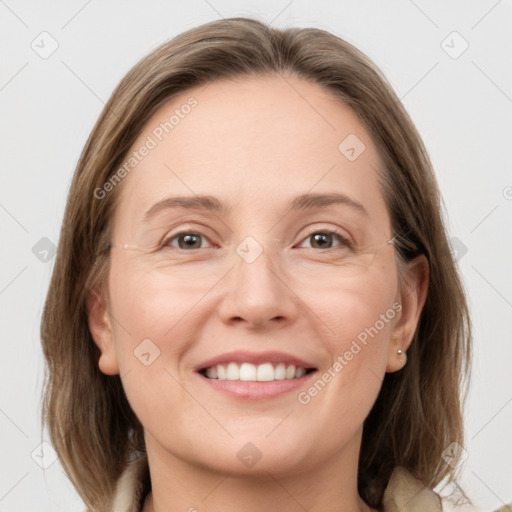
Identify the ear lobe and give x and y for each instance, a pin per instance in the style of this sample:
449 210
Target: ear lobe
100 327
412 297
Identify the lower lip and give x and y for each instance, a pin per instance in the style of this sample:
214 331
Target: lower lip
250 390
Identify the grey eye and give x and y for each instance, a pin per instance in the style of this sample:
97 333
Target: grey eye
187 240
325 240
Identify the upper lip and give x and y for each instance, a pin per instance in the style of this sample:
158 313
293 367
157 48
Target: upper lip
254 358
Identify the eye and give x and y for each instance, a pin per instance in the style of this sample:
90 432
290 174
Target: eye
191 240
325 240
185 240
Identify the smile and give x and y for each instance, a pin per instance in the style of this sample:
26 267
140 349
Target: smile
249 372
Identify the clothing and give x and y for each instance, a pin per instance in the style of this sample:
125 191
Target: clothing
404 493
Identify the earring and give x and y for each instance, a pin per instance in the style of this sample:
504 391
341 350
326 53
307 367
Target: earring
400 351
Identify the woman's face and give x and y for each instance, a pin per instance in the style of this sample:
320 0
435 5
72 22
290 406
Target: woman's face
253 283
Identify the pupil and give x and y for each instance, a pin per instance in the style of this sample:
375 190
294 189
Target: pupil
321 237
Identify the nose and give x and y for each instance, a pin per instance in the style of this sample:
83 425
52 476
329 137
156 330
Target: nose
259 294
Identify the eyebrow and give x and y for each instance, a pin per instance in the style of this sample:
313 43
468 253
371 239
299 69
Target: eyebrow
303 202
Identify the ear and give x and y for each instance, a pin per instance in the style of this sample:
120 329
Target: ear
412 297
100 327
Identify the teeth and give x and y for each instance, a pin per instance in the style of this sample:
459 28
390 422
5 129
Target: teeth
232 372
247 371
300 372
211 373
280 372
265 372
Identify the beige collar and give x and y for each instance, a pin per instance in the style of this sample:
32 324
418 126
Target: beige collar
403 494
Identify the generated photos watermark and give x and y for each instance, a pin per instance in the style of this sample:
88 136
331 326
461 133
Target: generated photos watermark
305 397
151 142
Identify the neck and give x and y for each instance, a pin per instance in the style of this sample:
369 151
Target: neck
178 485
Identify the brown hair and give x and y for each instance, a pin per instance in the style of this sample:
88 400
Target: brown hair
418 411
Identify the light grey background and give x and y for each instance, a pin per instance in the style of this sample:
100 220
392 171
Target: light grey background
461 104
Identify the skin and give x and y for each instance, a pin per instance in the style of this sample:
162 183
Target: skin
254 143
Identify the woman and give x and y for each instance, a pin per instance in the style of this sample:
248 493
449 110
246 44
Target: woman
254 304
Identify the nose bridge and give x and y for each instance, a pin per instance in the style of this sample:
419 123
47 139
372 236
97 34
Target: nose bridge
258 291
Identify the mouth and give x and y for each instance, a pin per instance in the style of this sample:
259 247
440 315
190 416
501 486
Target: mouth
257 376
249 372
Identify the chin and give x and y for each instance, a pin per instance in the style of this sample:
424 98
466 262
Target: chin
253 454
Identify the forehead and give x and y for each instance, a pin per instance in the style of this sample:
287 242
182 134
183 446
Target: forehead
255 143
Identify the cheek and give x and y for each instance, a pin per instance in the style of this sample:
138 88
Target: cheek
147 306
154 326
360 316
149 290
363 316
355 309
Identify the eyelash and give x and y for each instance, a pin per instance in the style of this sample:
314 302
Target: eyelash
341 237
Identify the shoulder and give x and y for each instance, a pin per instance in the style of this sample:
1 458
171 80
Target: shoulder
405 493
129 490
